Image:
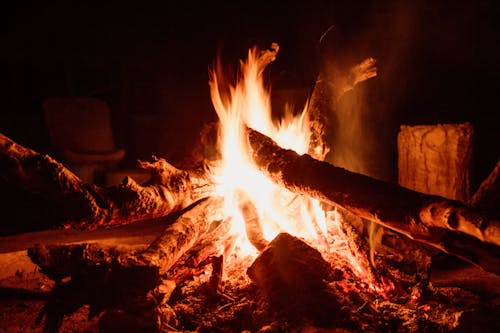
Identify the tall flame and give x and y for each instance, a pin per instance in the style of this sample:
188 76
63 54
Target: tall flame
247 103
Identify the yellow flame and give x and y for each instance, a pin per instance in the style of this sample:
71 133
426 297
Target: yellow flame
247 103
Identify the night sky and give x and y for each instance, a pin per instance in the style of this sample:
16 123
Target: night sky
438 62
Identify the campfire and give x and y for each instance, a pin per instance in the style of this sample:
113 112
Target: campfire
264 235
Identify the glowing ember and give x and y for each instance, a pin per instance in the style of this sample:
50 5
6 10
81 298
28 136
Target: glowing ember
247 192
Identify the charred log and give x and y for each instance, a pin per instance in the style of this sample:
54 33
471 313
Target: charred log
288 266
88 206
62 261
411 213
98 275
487 197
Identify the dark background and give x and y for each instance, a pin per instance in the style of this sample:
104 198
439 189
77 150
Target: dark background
438 62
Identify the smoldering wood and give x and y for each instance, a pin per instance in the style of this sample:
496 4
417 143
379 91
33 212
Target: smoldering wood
180 236
288 262
87 206
289 266
411 213
60 261
98 275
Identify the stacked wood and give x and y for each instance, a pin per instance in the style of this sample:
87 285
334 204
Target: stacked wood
119 279
88 206
426 218
435 159
416 215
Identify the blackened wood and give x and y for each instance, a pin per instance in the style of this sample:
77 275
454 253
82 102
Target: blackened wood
113 279
88 206
411 213
288 263
487 197
292 276
61 261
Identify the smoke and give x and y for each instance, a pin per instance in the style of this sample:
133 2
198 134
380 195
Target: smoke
364 122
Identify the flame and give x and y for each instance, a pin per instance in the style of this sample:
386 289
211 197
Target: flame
247 103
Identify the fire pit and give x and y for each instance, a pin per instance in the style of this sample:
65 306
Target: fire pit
263 236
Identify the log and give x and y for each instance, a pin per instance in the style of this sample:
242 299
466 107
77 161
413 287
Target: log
411 213
289 266
86 206
61 261
487 197
98 275
180 236
436 159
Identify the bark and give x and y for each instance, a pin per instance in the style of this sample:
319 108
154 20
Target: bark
180 236
411 213
436 159
487 197
61 261
87 206
98 275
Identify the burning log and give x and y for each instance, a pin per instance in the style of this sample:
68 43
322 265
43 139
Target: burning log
88 206
98 275
290 266
61 261
425 218
252 223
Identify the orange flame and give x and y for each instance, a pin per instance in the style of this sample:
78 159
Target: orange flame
278 210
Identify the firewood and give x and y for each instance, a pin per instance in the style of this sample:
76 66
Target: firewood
61 261
435 159
487 197
250 214
419 216
180 236
88 206
98 275
289 266
289 263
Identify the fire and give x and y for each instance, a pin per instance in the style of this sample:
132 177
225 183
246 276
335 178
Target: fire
259 208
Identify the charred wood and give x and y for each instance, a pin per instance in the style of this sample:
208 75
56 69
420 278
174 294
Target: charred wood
289 266
87 206
487 197
61 261
416 215
98 275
